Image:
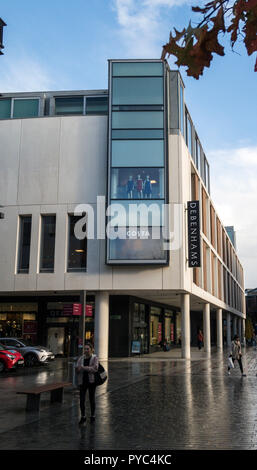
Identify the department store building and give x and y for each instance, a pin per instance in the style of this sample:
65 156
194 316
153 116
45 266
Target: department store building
110 233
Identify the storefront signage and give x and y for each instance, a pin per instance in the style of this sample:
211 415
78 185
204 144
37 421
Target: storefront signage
67 310
77 309
72 310
29 327
89 310
136 347
194 246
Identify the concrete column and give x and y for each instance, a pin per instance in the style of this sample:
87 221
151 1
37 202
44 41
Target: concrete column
219 329
234 325
228 330
102 325
207 328
185 326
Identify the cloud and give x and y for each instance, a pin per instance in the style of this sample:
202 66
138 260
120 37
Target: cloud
24 74
141 24
234 193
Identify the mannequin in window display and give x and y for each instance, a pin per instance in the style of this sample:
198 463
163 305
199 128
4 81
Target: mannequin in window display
139 186
130 187
148 188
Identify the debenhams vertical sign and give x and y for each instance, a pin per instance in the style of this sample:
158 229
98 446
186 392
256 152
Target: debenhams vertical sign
194 247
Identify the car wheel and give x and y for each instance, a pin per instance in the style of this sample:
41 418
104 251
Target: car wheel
2 367
30 360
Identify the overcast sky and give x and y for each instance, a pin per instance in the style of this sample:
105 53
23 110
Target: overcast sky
62 45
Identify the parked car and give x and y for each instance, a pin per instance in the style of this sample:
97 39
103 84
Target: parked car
32 354
10 358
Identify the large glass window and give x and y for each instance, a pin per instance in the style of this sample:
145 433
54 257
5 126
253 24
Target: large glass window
189 133
24 244
138 246
5 108
202 169
155 326
182 112
47 243
150 134
137 119
133 69
97 105
207 175
138 153
197 153
66 105
137 183
136 212
25 108
136 191
138 90
77 249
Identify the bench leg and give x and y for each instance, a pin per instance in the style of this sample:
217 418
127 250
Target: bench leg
33 402
57 395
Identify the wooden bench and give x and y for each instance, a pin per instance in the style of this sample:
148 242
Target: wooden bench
33 394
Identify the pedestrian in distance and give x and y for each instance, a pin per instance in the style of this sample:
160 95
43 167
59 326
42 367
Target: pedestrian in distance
236 354
87 366
200 340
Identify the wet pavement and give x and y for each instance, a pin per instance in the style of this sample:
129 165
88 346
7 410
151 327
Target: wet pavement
153 402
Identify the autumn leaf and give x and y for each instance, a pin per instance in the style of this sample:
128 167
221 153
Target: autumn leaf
194 46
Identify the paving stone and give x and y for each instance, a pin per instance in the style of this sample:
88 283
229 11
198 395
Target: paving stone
153 404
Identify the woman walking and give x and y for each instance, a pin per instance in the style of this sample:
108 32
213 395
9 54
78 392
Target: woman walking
236 354
87 365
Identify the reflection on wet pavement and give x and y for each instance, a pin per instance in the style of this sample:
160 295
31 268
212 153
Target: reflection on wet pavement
146 404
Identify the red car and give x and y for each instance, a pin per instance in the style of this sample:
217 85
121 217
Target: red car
9 358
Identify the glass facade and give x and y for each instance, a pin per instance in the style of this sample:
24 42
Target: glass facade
182 111
137 183
5 108
78 105
69 105
25 108
189 134
19 108
136 161
97 105
138 153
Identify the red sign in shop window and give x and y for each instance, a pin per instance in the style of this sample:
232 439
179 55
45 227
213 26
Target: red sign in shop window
89 310
76 310
30 327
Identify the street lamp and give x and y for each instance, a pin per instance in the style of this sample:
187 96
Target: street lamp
2 24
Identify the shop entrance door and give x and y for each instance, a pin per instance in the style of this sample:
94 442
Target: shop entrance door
55 340
141 334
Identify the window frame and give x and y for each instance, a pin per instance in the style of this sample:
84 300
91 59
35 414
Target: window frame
75 270
25 98
84 104
46 270
20 270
